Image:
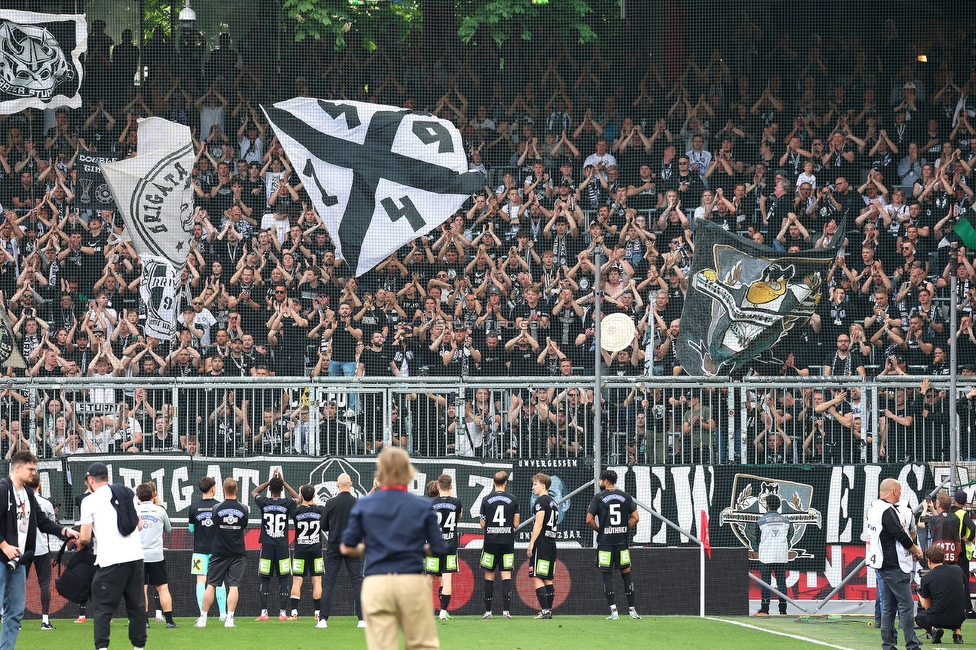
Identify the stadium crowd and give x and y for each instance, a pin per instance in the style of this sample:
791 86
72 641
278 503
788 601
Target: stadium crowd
582 149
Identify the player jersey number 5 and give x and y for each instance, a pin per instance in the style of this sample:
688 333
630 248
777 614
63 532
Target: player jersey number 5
614 518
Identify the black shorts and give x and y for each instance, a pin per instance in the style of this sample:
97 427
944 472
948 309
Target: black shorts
613 556
498 557
156 573
226 570
543 562
436 565
275 560
308 563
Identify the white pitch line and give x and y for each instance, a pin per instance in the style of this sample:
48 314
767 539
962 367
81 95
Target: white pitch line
792 636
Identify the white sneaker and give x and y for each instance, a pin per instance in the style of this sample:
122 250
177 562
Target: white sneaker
361 623
201 622
634 615
322 624
230 623
223 617
613 616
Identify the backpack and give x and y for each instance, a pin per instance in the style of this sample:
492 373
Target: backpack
125 508
74 581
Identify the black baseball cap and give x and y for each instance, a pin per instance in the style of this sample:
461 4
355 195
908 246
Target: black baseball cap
98 470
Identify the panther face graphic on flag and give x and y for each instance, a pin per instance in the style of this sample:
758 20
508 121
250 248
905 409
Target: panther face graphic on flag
743 299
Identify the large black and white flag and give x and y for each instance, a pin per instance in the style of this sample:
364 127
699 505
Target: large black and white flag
378 176
40 60
154 192
743 298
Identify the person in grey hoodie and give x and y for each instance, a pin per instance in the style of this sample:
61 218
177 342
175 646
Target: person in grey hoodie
155 522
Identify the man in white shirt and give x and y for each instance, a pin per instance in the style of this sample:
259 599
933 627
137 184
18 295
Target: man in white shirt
602 158
119 560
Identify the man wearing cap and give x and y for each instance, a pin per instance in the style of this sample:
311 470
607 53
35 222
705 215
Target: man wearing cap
119 559
20 521
967 532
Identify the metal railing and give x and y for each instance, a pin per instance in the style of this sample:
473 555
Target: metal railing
656 420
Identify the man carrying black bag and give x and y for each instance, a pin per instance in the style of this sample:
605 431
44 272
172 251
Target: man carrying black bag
108 513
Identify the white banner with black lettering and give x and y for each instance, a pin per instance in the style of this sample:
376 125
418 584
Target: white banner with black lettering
379 176
153 191
40 60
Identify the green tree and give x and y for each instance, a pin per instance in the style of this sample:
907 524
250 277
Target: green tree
582 21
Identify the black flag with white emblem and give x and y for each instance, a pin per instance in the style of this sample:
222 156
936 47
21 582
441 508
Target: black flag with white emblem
379 176
40 60
743 298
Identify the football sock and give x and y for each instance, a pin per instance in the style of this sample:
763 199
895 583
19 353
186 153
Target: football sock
44 618
284 593
445 601
265 592
317 603
543 597
169 616
294 605
230 614
201 589
82 609
222 599
608 588
507 594
489 592
551 592
629 589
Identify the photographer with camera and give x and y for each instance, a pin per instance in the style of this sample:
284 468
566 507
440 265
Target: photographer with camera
20 522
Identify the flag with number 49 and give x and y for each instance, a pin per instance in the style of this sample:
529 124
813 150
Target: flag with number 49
379 176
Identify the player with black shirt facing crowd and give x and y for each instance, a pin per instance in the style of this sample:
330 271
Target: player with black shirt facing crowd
308 553
613 514
499 519
228 557
275 560
442 567
202 526
542 543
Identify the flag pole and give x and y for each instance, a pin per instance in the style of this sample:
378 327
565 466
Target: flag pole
953 371
597 370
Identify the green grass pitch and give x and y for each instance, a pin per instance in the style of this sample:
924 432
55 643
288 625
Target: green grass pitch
465 632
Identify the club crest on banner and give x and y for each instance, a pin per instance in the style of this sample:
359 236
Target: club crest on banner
749 494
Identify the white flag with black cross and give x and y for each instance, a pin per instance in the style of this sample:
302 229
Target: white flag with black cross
379 176
40 60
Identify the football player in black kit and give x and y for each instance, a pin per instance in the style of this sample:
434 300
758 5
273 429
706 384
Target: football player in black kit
499 519
613 514
275 559
201 525
542 543
228 556
308 553
442 567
